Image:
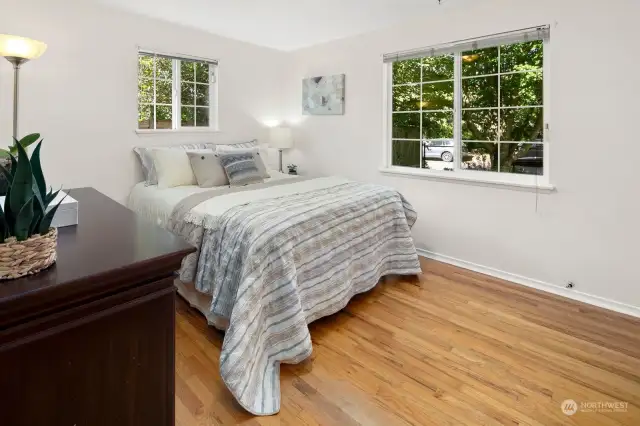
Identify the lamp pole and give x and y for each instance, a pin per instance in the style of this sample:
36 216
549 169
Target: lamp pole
17 62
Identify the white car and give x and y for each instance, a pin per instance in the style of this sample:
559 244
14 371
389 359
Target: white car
438 148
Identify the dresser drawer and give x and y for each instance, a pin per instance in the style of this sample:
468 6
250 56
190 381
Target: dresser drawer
104 363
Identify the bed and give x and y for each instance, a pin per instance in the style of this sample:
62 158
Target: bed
275 256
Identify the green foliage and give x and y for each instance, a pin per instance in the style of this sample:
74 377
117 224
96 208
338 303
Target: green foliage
155 93
406 153
426 84
25 142
26 208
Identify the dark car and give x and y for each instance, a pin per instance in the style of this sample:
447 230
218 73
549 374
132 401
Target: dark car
530 161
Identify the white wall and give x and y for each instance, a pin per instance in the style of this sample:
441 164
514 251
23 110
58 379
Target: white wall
587 231
81 94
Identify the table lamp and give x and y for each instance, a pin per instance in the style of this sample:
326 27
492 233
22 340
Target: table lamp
19 50
281 138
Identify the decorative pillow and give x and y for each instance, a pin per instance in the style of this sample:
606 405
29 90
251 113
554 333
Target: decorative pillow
146 158
241 168
254 146
207 169
172 167
233 146
257 156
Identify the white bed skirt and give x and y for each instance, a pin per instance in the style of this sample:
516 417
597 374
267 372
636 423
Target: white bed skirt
197 300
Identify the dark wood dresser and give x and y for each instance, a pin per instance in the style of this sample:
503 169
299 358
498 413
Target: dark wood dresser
90 341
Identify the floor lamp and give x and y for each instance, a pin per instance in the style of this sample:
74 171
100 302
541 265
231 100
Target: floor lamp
19 50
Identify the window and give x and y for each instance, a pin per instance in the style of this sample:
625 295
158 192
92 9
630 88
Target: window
473 109
176 93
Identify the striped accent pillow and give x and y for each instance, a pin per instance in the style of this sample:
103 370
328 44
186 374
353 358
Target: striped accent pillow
241 168
233 146
146 158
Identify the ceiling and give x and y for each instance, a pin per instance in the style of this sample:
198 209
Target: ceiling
281 24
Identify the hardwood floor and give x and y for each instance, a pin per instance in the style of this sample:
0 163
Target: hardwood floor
451 347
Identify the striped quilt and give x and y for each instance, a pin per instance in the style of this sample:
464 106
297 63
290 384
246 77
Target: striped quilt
276 264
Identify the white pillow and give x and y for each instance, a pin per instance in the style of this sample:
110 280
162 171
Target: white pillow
146 158
207 169
173 168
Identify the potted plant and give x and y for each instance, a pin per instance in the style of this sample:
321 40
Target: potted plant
27 241
293 169
5 157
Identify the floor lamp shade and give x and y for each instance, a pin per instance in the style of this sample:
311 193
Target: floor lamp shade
20 47
19 50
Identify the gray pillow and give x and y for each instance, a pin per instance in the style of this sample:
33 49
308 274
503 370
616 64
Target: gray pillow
207 169
257 156
243 168
146 159
242 145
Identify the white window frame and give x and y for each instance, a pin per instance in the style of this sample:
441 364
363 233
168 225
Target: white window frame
484 178
176 102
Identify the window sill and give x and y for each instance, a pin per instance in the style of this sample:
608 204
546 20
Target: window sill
496 182
146 132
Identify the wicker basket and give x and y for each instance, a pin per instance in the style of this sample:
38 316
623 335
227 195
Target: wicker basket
20 258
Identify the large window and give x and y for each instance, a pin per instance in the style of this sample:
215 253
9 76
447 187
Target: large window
474 108
176 93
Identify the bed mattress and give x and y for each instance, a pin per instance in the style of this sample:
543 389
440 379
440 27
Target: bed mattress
157 204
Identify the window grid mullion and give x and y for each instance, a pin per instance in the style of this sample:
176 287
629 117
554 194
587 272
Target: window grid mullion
470 77
195 95
492 108
153 118
422 82
457 107
499 109
425 110
421 153
195 102
177 116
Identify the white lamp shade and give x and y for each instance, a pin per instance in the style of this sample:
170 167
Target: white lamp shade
20 47
281 138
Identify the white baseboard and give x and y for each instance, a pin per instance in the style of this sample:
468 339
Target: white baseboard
539 285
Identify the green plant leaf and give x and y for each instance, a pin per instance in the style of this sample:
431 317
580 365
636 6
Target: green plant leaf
29 139
39 210
13 149
36 170
24 142
14 166
22 184
51 196
4 153
23 220
45 224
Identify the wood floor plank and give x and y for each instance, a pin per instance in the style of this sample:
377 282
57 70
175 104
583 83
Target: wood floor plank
450 347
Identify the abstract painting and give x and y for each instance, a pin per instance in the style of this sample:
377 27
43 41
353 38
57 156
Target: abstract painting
323 95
